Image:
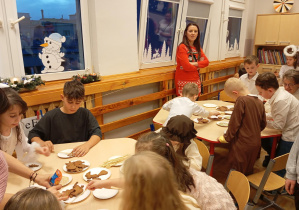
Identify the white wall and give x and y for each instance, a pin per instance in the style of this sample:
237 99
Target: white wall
113 26
259 7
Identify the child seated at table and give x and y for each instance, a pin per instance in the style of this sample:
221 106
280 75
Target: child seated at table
34 198
251 64
180 131
206 190
244 129
186 104
12 137
70 123
284 114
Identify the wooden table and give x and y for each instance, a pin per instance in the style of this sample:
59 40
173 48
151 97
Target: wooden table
96 156
211 131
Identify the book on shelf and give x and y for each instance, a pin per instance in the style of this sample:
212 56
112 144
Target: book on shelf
275 57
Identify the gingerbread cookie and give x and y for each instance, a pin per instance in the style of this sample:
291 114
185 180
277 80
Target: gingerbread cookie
75 191
93 176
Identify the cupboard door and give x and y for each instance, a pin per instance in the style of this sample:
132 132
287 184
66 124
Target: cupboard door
265 68
288 33
267 29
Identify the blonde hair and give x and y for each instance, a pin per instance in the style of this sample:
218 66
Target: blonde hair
233 84
33 198
190 90
150 184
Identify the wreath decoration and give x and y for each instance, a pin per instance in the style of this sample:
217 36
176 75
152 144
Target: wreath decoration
290 50
87 78
24 84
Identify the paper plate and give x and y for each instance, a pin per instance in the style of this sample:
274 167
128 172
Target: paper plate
35 168
210 105
64 153
66 179
227 117
222 124
104 193
96 171
84 161
228 112
114 157
79 198
196 121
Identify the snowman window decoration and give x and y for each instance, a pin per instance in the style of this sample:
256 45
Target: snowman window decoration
51 56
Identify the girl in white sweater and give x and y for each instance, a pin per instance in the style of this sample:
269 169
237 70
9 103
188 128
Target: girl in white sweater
12 136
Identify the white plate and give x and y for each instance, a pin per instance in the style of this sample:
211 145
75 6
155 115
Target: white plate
34 168
64 153
210 105
84 162
227 117
114 157
228 112
81 197
70 178
230 106
196 121
96 171
222 124
104 193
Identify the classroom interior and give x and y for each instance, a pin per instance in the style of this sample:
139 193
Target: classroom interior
112 39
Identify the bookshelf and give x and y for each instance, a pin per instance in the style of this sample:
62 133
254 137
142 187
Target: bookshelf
273 32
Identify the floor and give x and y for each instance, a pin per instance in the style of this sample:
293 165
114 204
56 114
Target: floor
220 163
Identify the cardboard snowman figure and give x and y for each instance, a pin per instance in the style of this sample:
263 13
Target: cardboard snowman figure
51 56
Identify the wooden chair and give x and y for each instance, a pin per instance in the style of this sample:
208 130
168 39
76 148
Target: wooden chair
224 97
268 181
207 159
237 183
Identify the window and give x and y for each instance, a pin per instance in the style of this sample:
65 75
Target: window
233 33
198 13
158 38
50 38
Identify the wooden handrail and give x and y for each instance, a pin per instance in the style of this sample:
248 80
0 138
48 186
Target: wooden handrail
48 97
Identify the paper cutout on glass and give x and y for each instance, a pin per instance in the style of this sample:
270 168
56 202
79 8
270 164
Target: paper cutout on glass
51 56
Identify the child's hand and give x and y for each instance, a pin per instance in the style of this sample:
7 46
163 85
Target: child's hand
43 179
48 144
81 150
58 195
214 113
94 184
202 59
43 150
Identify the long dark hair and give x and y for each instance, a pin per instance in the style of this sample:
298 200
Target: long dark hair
155 142
13 98
3 102
196 41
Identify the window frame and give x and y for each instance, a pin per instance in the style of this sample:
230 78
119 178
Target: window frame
15 48
241 7
179 29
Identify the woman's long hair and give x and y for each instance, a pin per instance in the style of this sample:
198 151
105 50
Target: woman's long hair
14 99
150 184
155 142
196 43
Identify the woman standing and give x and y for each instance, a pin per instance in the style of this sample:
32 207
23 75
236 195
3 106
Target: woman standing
190 58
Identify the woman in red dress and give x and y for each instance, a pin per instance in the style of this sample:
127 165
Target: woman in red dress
190 58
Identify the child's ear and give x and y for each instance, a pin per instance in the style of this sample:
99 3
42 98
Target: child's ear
195 97
61 96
